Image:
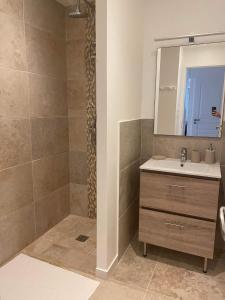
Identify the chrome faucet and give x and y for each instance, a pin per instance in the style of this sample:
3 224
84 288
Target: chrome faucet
183 155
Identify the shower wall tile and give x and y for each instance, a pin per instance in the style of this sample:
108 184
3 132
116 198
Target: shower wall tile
75 27
47 96
13 94
17 230
78 167
49 136
49 174
15 142
46 15
78 132
75 51
77 111
12 49
16 188
45 53
76 96
13 8
51 209
78 199
33 121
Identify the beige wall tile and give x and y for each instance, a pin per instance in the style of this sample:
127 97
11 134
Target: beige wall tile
75 28
47 96
49 136
76 96
13 8
78 199
52 209
78 132
13 94
15 142
12 49
78 167
75 58
45 53
171 145
45 14
128 225
147 129
129 186
130 142
16 188
50 173
17 230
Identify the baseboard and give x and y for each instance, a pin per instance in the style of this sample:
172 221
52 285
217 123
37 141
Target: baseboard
103 274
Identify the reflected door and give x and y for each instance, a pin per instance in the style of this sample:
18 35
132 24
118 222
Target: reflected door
204 94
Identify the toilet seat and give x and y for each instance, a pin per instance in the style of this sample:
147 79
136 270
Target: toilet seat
222 220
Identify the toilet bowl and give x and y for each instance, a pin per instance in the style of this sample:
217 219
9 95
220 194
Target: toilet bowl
222 220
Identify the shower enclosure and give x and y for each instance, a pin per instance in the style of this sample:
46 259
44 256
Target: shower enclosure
47 124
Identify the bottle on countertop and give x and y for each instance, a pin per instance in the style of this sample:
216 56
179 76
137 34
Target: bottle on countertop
210 155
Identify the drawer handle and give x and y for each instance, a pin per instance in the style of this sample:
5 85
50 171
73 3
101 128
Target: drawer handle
176 186
174 225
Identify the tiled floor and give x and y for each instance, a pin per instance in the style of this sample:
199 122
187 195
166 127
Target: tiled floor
60 247
163 275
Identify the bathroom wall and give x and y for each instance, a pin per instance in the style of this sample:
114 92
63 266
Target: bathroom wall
119 82
169 19
130 151
34 173
170 146
77 110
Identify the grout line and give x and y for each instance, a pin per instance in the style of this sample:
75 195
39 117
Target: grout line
150 280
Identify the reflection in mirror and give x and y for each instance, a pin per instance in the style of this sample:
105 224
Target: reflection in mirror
190 90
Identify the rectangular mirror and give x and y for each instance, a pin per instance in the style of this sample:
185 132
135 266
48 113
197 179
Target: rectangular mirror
190 90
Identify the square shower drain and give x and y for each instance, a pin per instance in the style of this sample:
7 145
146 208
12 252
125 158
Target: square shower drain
82 238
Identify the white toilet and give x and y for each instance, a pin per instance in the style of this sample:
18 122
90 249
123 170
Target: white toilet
222 220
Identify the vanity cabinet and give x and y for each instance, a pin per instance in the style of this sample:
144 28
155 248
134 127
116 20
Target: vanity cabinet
179 212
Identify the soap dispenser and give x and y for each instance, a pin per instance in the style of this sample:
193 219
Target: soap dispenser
210 155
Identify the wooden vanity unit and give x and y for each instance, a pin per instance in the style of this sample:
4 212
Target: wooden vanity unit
179 212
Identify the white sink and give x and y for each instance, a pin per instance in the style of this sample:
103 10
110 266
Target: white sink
171 165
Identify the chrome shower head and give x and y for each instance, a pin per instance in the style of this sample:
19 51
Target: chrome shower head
77 13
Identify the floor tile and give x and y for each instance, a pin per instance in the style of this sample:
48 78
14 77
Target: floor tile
113 291
134 270
156 296
186 285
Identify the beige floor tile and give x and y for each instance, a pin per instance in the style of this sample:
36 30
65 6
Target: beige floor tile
37 247
186 285
156 296
134 270
59 245
113 291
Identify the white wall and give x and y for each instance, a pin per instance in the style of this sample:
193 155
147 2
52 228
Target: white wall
173 18
119 92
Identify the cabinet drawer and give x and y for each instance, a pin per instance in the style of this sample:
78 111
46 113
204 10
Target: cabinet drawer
178 233
182 195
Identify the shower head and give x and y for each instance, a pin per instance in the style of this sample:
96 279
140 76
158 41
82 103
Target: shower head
77 13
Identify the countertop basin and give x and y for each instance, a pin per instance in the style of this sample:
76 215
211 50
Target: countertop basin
171 165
